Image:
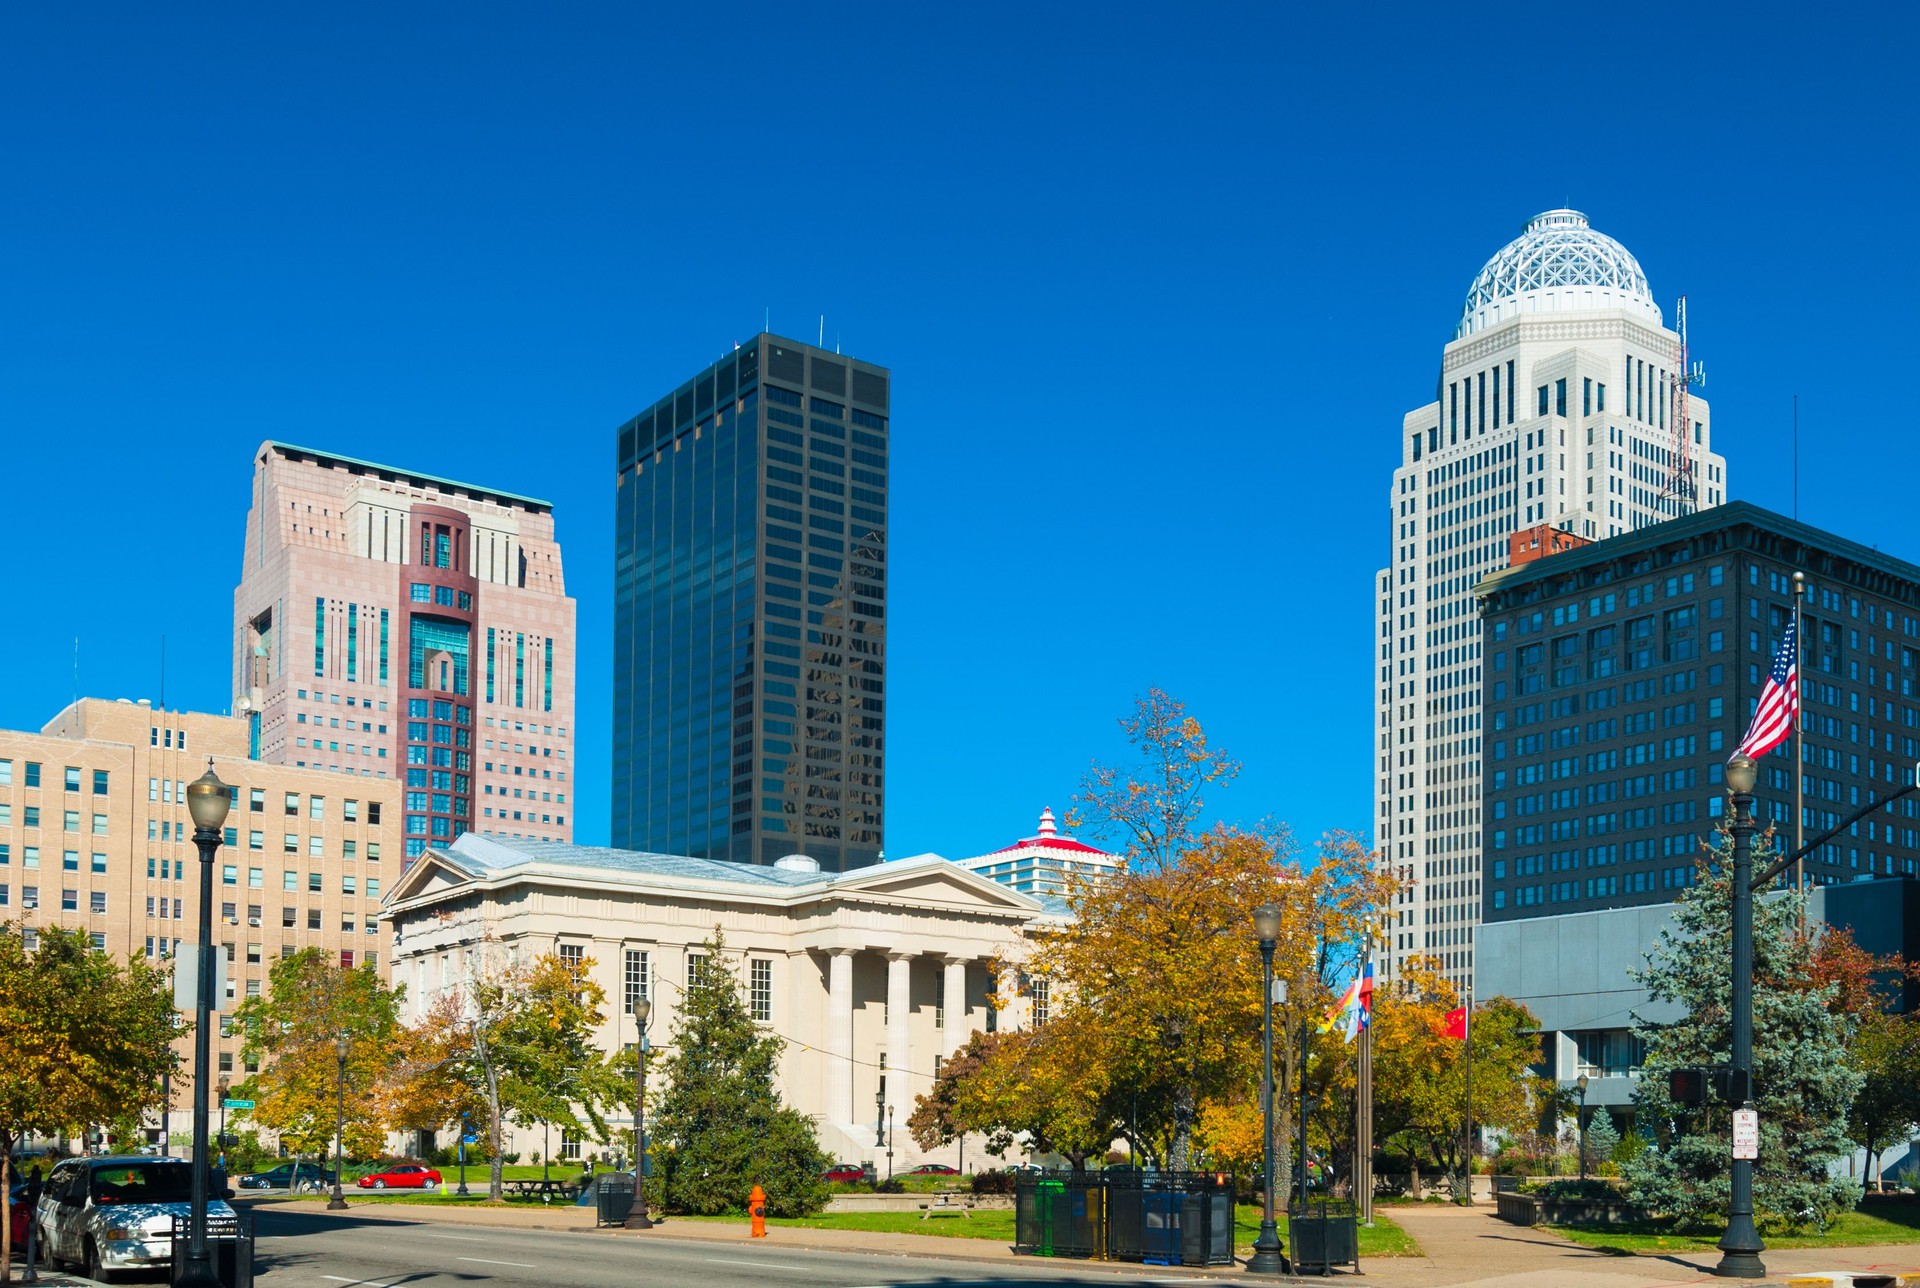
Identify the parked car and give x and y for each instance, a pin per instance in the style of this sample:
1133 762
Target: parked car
19 1212
844 1172
116 1212
311 1176
407 1176
934 1169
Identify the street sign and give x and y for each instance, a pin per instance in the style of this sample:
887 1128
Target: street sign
470 1139
237 1104
1746 1133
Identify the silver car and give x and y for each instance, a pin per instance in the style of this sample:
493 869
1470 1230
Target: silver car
117 1212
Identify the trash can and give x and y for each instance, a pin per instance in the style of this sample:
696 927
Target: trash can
612 1199
1034 1201
1324 1233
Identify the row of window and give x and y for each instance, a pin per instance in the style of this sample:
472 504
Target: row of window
72 777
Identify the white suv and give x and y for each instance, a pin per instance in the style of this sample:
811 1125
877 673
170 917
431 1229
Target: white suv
116 1213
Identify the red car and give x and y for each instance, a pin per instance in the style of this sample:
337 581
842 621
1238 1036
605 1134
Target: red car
844 1172
17 1211
404 1177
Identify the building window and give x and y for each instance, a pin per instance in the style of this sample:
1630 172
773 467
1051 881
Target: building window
696 967
1038 990
634 978
73 778
760 988
99 782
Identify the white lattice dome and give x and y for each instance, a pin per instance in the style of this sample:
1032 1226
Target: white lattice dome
1557 264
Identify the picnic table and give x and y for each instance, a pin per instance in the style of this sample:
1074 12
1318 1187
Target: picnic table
545 1188
948 1203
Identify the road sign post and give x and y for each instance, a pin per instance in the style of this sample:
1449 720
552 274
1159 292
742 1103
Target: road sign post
1746 1133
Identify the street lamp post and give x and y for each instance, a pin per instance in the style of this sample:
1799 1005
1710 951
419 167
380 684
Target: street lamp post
222 1088
1740 1247
889 1142
463 1190
879 1117
338 1202
637 1215
1580 1084
1267 1256
207 802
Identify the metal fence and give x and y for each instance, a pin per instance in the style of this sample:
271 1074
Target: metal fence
1160 1218
229 1247
1325 1233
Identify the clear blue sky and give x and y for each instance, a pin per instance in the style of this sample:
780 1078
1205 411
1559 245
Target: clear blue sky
1156 284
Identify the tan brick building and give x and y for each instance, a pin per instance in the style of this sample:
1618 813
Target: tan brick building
94 835
393 624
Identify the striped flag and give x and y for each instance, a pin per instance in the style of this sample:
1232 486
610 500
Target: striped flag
1354 1010
1779 701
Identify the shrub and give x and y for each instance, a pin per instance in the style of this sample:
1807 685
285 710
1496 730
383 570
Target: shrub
997 1181
1574 1191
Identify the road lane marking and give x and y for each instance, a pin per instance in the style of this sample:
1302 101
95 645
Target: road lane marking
358 1283
489 1261
764 1265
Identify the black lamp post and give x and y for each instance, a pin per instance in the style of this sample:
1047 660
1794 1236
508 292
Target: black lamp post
207 801
637 1215
1740 1247
338 1202
879 1117
1580 1085
889 1142
1267 1257
222 1088
463 1190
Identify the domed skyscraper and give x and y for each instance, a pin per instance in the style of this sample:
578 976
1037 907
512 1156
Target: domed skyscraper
1557 422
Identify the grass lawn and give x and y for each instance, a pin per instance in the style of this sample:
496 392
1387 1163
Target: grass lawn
1385 1239
1876 1223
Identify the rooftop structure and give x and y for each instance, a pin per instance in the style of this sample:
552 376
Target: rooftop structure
1045 863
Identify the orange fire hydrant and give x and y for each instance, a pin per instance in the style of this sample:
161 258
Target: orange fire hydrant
757 1209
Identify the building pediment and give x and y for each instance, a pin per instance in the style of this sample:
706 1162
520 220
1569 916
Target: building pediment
433 873
933 882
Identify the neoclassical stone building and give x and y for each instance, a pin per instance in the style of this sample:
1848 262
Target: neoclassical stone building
872 976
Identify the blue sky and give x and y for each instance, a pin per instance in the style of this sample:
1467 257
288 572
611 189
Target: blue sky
1156 284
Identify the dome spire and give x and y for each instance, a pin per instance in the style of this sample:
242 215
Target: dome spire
1046 822
1558 264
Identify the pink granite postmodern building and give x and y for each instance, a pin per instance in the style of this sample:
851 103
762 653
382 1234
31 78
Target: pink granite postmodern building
394 624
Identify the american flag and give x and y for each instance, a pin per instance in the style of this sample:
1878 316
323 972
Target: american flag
1779 701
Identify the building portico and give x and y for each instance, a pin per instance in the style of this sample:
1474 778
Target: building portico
872 977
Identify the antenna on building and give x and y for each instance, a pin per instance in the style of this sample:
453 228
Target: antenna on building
1680 481
821 343
163 670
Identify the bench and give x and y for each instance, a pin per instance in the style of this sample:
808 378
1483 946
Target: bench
948 1203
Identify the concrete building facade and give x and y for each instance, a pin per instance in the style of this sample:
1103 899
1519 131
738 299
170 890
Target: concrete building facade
394 624
95 835
750 611
1558 402
871 976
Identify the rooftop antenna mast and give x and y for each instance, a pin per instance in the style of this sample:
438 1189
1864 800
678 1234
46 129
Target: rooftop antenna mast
1681 483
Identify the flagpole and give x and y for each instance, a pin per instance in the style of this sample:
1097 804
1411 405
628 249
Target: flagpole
1467 1198
1363 1164
1799 749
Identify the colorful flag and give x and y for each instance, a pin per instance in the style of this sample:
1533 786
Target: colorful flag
1354 1010
1456 1024
1779 701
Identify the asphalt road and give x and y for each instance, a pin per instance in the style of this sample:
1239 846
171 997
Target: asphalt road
304 1251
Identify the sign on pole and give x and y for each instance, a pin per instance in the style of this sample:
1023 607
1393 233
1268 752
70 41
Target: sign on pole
237 1104
1746 1133
186 979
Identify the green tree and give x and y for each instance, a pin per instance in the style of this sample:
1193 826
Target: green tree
1601 1140
1803 1083
293 1032
720 1128
83 1040
512 1037
1885 1052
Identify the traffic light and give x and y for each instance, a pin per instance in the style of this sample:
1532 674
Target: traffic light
1733 1086
1687 1086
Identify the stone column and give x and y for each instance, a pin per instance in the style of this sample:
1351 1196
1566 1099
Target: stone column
899 1049
956 1028
840 1038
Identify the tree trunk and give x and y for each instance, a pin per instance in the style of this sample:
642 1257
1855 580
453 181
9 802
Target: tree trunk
6 1210
1180 1150
1413 1176
495 1165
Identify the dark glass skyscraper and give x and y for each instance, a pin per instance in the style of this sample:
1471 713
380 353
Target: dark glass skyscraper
750 579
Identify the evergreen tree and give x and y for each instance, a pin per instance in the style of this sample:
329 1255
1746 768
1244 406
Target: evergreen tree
720 1128
1803 1084
1601 1140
